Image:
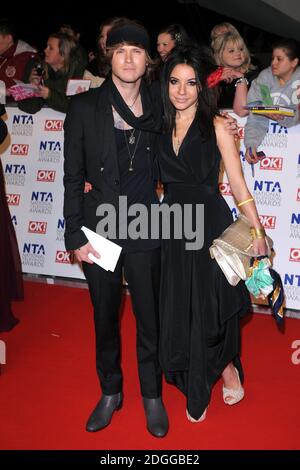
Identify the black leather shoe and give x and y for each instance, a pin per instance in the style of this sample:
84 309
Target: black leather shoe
102 414
156 416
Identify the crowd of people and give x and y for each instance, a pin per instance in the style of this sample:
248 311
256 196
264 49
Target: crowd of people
160 120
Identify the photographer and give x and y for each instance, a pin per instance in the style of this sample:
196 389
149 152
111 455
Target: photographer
61 63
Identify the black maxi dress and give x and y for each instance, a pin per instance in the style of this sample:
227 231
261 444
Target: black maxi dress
200 311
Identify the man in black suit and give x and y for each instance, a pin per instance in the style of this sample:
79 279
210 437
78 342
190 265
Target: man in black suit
109 141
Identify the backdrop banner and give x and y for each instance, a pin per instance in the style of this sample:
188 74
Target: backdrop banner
33 168
275 185
32 159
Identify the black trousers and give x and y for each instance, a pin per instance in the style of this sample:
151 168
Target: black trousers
142 272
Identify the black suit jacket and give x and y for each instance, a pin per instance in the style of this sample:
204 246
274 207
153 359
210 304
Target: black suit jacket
91 154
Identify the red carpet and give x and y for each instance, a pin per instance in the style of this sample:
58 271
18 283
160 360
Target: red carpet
49 386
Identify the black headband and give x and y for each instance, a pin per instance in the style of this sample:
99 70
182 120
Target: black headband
128 33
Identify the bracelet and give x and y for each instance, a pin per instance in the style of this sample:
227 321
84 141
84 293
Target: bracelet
257 233
245 202
241 80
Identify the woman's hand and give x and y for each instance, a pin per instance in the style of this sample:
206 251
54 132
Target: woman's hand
251 155
260 247
34 78
229 74
45 92
274 117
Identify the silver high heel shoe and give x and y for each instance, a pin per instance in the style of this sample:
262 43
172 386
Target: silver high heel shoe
236 395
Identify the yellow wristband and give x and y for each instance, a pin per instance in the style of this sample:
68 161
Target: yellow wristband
245 202
257 232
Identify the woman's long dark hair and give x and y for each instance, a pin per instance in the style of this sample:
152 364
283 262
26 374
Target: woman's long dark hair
177 33
202 62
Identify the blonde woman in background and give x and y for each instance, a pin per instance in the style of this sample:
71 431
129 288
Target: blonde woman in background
60 64
221 28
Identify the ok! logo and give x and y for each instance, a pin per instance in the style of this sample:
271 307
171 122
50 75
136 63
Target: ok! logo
13 199
35 226
225 189
64 257
54 125
268 221
295 254
271 163
47 176
20 150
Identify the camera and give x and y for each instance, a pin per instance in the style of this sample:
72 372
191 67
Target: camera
39 69
260 155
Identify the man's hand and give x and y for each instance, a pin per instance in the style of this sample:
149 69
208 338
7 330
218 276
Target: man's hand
82 253
231 124
87 187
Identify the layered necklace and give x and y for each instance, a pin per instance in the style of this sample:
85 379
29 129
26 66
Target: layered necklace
132 141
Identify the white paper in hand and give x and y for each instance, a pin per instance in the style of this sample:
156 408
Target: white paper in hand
109 251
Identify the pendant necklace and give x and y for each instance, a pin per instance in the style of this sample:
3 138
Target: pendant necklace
132 155
176 143
130 106
131 139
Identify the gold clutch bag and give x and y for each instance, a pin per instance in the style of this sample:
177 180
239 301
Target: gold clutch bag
233 250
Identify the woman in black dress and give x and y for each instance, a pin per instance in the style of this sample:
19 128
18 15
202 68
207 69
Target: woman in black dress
11 286
200 311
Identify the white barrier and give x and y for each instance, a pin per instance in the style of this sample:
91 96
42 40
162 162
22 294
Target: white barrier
33 166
